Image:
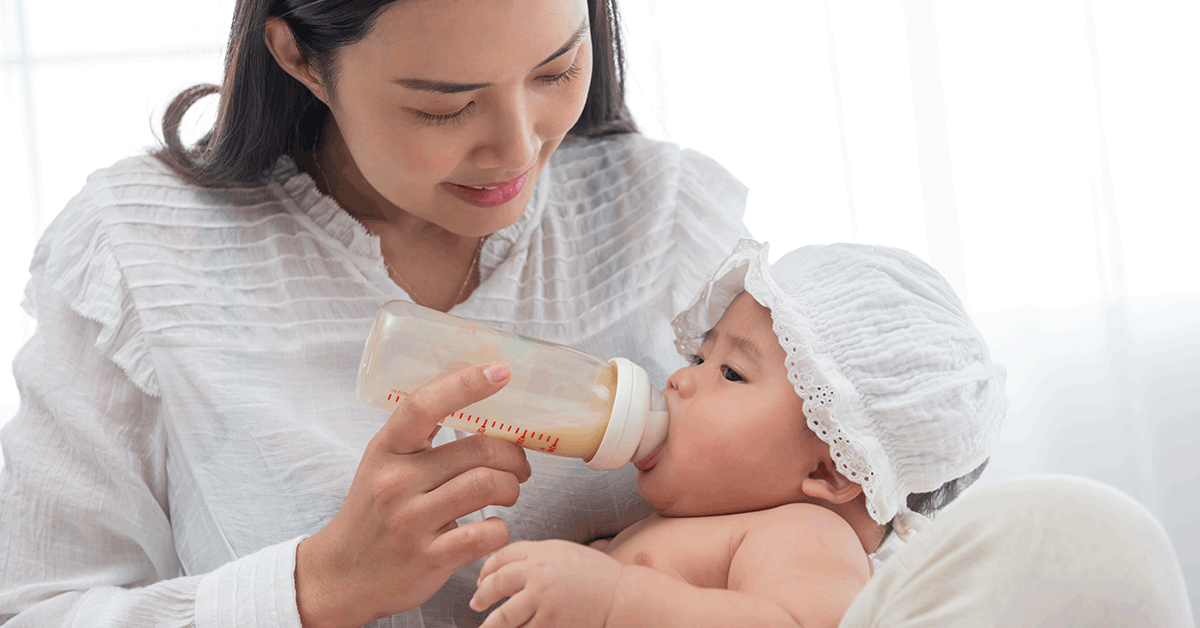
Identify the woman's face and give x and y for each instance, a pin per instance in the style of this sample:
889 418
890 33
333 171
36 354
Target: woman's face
451 108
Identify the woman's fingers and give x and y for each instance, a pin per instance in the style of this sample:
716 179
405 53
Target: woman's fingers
460 545
469 492
409 427
452 459
395 541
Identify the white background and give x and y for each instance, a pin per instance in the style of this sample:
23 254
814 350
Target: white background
1043 154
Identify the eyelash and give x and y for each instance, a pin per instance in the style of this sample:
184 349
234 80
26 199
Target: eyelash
441 120
696 360
558 79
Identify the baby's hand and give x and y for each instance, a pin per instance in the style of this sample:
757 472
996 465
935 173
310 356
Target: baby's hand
547 583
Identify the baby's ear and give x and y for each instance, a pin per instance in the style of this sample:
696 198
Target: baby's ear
826 483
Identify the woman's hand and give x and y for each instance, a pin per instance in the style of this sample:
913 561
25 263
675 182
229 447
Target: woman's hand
548 584
395 541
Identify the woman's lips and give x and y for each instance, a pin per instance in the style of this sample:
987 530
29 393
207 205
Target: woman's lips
489 194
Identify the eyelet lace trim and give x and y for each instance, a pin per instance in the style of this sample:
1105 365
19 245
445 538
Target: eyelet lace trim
819 402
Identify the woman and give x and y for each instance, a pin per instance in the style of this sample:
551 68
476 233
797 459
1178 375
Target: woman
189 450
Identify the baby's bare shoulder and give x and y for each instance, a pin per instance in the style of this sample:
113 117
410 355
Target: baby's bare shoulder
805 557
800 530
807 515
800 542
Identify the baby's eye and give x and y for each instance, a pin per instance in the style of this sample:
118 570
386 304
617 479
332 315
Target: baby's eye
731 374
695 360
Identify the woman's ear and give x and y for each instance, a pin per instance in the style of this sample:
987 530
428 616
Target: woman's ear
827 484
282 44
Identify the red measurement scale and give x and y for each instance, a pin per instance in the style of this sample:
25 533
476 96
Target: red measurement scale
484 427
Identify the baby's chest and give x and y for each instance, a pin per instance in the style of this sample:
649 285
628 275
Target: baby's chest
696 550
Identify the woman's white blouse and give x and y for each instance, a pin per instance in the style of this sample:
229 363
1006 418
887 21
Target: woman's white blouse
188 410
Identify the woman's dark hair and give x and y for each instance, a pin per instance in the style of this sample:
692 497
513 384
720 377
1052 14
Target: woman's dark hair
264 113
930 503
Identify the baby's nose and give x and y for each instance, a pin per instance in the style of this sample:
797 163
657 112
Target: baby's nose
682 382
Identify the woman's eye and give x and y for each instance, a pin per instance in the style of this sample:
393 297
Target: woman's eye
442 119
731 374
556 79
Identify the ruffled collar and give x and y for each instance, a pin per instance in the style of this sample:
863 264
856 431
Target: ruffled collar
323 210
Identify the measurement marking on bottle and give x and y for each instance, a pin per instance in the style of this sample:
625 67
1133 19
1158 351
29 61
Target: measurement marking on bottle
484 425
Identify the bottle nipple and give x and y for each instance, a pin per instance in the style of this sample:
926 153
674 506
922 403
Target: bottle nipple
638 423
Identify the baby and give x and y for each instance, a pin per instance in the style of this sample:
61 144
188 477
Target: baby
833 398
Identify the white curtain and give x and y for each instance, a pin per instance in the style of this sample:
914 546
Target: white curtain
1043 154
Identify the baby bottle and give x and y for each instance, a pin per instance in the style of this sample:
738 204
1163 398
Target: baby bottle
559 400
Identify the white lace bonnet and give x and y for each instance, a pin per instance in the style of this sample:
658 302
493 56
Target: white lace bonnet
893 374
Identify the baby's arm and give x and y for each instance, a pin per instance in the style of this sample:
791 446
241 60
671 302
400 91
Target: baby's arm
798 566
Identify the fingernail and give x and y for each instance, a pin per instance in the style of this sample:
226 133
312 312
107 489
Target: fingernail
496 371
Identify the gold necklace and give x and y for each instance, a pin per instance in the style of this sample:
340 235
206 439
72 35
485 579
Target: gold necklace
392 272
461 289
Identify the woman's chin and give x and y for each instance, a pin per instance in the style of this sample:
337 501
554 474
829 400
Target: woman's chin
470 221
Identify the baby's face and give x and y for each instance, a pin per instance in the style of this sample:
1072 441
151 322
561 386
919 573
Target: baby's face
737 440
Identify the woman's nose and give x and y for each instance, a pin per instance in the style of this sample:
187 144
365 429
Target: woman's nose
512 144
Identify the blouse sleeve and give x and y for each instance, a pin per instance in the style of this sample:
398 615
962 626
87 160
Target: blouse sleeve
85 529
711 204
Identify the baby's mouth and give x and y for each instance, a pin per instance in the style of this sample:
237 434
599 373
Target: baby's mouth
645 464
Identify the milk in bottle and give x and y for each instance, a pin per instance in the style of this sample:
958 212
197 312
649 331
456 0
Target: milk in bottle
559 400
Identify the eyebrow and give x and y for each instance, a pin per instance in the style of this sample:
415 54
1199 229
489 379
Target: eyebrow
742 343
448 87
